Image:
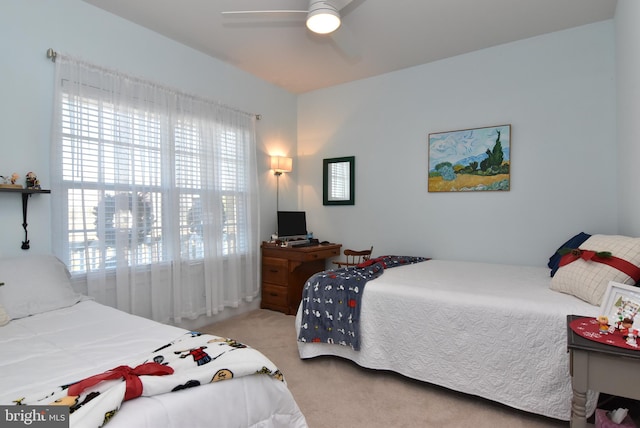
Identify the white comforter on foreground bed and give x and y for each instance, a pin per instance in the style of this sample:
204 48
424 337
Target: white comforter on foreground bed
495 331
43 351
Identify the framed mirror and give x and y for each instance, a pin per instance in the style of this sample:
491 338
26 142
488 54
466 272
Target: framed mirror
338 184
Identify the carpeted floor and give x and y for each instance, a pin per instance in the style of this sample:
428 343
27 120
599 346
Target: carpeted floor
336 393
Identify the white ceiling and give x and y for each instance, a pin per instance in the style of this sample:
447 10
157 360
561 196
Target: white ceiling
376 36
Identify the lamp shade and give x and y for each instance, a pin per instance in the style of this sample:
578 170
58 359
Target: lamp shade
322 18
280 164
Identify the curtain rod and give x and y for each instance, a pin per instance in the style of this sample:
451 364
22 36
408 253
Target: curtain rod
51 54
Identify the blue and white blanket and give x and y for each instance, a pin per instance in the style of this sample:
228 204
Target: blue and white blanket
331 301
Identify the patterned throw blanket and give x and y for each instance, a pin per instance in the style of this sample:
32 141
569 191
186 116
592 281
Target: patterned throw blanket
193 359
331 301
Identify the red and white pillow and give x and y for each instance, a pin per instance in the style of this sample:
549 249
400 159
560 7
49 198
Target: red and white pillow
588 280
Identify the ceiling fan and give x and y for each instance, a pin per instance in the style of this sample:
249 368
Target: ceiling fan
323 16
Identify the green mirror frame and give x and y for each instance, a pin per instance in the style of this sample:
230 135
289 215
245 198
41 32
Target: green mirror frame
339 181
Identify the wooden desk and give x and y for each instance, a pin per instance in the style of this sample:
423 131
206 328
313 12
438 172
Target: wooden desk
285 270
601 368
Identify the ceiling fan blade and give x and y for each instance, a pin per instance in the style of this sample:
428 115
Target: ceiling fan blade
344 41
339 4
251 12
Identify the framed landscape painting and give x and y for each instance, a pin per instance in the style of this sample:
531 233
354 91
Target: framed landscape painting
470 160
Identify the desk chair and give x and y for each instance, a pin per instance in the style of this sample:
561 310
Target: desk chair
354 257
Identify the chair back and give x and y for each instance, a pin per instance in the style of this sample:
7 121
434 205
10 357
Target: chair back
354 257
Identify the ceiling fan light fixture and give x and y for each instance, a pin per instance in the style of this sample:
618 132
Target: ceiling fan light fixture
322 17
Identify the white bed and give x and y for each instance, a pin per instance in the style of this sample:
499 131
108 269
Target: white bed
60 345
494 331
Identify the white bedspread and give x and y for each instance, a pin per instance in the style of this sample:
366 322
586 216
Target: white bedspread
495 331
41 352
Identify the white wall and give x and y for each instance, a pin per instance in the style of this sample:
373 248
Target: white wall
29 28
628 113
558 93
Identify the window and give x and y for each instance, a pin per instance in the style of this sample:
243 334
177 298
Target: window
155 202
136 183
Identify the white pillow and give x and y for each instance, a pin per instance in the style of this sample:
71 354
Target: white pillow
588 280
35 284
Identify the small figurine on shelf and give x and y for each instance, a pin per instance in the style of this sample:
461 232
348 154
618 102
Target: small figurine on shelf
32 180
631 338
10 181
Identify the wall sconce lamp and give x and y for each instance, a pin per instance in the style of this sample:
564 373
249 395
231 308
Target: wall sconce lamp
280 164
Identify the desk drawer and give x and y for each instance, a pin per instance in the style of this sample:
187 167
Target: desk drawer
274 270
325 253
274 295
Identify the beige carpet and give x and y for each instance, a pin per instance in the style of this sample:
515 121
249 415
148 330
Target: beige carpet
336 393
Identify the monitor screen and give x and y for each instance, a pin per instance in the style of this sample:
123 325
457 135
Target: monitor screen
292 223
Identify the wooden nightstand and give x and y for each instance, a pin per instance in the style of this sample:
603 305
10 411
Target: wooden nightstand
285 270
599 367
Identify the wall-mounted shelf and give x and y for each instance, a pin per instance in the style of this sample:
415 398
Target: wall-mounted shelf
26 193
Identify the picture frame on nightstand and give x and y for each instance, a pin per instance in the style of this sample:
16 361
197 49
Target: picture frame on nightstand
621 301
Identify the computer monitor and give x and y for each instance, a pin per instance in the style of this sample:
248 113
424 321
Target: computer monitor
292 224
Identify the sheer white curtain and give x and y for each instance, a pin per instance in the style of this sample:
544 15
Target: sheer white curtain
155 200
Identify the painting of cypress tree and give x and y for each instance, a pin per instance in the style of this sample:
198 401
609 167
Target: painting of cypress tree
476 159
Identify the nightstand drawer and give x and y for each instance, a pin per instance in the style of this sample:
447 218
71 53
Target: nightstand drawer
275 270
274 295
